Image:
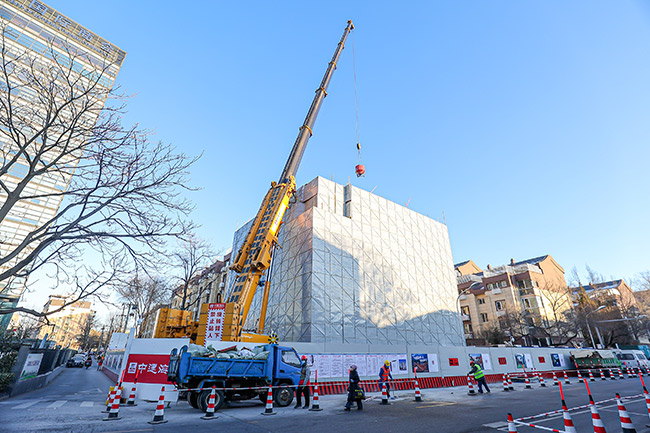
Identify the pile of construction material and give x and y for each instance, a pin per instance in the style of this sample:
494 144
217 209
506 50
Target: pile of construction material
229 352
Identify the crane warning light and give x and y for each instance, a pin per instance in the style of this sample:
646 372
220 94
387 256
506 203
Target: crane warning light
360 170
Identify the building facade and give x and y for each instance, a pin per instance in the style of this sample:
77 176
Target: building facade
207 287
68 326
41 33
355 268
533 290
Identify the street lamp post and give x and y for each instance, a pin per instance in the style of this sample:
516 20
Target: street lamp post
589 328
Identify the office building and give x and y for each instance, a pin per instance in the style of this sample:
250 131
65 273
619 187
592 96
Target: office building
38 32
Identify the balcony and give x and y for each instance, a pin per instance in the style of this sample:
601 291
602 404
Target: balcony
501 313
465 317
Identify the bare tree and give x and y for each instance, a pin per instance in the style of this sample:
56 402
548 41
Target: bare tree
146 293
84 339
123 195
191 257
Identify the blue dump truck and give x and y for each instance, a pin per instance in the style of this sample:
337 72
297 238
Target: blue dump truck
272 365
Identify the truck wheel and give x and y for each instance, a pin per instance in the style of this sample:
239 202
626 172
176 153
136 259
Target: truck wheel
283 396
192 398
205 395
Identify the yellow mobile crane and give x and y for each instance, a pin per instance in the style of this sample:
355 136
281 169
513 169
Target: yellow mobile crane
254 256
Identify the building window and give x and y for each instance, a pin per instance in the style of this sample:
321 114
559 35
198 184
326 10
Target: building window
468 328
464 310
503 283
484 317
481 301
499 305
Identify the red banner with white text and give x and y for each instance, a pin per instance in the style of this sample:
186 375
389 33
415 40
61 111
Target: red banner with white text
147 368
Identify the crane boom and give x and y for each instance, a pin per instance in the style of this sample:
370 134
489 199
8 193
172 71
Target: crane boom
254 256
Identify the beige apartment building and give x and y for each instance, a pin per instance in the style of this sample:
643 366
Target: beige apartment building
532 290
67 325
207 287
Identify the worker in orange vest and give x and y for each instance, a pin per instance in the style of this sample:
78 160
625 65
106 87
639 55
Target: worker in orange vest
384 374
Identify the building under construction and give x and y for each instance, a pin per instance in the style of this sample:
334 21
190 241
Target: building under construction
355 268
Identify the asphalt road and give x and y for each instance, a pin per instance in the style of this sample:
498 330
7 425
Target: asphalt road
74 400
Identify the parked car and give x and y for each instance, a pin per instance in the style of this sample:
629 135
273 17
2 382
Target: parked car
76 361
632 358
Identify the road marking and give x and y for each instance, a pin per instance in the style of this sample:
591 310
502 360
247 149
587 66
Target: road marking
496 425
87 404
26 405
57 404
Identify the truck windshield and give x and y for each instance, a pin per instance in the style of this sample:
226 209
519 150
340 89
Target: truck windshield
290 357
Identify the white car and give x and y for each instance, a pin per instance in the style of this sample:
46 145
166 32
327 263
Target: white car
632 358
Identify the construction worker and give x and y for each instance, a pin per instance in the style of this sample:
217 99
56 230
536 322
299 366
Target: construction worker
384 375
303 384
479 376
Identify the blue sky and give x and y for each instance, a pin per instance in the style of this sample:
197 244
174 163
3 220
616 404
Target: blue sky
526 123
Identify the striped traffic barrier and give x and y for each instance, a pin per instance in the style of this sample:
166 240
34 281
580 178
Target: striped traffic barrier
626 422
159 414
512 428
209 411
470 389
268 410
418 396
113 413
596 421
131 401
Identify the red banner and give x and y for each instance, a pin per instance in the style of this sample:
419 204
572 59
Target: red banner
148 368
214 326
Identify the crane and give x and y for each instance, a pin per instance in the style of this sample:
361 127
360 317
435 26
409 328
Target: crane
254 256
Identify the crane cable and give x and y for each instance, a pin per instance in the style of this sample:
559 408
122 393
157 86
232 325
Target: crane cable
356 99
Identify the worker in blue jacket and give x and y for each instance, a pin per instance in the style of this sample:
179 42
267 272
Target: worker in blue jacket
384 375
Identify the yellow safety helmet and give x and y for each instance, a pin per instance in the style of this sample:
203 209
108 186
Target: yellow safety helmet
387 363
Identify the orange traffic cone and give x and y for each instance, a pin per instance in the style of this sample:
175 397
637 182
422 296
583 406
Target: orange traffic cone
568 422
599 427
612 374
131 400
384 395
647 401
505 384
541 380
109 399
555 382
602 375
512 428
470 387
620 374
580 379
268 410
159 414
418 396
315 404
566 378
527 381
626 422
510 385
209 411
591 376
113 414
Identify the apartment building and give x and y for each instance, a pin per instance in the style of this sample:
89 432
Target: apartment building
68 325
207 287
534 290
